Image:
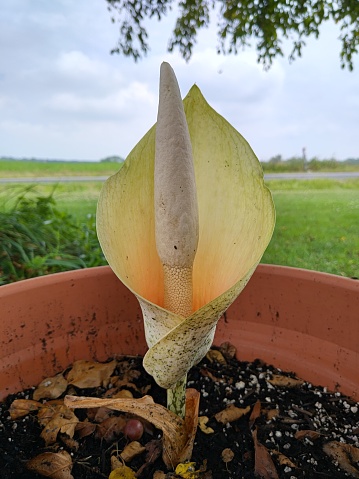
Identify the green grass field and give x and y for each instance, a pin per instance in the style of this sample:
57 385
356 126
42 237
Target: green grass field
24 168
317 220
317 226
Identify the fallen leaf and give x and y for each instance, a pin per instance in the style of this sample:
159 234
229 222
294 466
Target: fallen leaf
159 475
123 393
50 388
69 442
256 412
263 463
85 428
202 421
285 381
22 407
56 465
89 374
307 433
187 470
56 419
231 413
98 414
110 428
178 433
227 455
153 452
115 463
214 355
271 413
132 450
283 460
345 455
228 350
206 373
122 472
125 384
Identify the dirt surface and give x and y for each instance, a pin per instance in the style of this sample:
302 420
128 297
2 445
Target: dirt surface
258 422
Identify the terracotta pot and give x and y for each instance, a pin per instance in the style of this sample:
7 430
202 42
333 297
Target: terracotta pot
298 320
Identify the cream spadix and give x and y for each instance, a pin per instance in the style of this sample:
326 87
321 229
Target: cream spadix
176 210
236 221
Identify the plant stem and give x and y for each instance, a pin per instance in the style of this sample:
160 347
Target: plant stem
176 398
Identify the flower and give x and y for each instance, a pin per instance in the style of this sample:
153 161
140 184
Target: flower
236 219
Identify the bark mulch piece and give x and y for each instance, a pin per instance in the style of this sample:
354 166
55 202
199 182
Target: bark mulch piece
255 421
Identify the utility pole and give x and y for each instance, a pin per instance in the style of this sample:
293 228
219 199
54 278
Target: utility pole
304 157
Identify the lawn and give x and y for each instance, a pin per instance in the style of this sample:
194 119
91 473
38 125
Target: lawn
27 168
317 227
317 220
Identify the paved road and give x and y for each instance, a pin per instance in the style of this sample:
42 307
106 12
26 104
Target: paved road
269 176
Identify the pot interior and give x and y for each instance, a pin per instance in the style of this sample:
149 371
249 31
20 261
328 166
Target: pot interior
297 320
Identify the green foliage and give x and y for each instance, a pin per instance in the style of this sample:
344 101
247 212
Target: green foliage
316 228
297 164
266 22
36 239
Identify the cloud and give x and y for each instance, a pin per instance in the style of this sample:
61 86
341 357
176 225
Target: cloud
62 95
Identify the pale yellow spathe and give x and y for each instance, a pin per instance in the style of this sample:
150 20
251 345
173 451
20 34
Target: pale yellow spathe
236 221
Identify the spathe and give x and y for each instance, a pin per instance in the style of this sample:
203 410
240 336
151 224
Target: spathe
236 221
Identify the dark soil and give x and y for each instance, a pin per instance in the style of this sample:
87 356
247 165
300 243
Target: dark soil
280 412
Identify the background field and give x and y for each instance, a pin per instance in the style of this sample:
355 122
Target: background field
317 220
18 168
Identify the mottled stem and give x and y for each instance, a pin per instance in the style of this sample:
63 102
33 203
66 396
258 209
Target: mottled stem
176 398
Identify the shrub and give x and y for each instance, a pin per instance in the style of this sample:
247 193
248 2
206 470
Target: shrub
37 239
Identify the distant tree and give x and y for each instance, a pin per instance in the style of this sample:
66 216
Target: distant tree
112 159
264 22
276 159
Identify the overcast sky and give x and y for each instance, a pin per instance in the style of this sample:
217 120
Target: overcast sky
62 95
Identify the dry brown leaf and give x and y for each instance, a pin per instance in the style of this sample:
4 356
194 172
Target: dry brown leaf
231 413
214 355
307 433
56 465
227 455
206 373
271 413
85 428
153 452
178 434
22 407
56 419
202 421
115 463
345 455
89 374
228 350
159 475
123 393
50 388
256 412
132 450
69 442
283 460
285 381
110 428
263 464
99 414
125 384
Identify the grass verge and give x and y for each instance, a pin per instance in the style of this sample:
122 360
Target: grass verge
317 227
